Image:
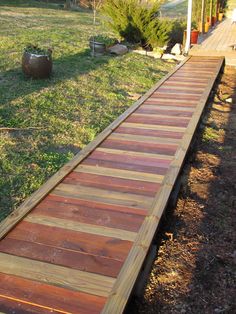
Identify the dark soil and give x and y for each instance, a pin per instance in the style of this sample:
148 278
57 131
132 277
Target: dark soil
194 271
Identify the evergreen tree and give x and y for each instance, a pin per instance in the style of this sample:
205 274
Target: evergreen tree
137 21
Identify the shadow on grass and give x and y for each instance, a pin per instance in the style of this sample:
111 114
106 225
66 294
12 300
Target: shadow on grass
14 84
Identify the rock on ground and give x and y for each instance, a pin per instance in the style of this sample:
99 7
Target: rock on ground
118 49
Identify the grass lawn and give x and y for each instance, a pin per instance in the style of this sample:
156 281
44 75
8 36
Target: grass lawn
51 120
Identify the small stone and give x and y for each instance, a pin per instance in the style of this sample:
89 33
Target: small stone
168 56
177 49
229 100
118 49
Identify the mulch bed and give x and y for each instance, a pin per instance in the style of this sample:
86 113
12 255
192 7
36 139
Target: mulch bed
194 271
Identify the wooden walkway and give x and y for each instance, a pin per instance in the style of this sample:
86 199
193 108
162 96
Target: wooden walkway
77 245
218 42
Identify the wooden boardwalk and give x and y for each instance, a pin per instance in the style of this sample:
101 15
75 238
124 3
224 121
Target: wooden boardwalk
77 244
218 42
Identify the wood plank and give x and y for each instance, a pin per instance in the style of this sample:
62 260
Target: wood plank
171 102
169 96
123 174
154 127
63 257
53 299
144 119
125 166
71 240
165 107
149 132
182 83
158 116
143 138
66 224
162 112
151 161
130 153
167 149
187 80
90 212
12 305
56 275
180 91
113 184
199 71
103 195
129 272
8 223
199 66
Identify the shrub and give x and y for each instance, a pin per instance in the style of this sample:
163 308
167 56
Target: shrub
177 31
137 21
37 50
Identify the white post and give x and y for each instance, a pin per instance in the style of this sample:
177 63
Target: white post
189 22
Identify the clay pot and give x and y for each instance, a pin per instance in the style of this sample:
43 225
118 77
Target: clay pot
220 16
194 36
213 20
207 27
97 48
36 65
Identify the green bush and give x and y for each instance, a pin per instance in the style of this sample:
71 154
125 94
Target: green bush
33 49
137 21
177 31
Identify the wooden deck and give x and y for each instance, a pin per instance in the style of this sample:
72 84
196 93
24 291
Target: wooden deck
77 245
218 42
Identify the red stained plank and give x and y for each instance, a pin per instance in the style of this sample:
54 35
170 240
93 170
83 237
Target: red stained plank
15 306
58 256
191 75
171 83
171 102
67 239
199 70
190 67
95 204
183 91
182 122
115 184
174 96
165 149
124 166
188 80
135 160
149 132
88 214
36 297
174 113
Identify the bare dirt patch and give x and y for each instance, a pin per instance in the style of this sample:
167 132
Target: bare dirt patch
194 271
